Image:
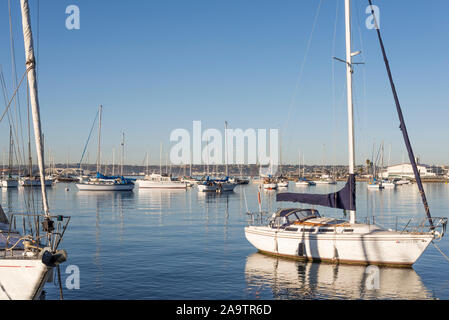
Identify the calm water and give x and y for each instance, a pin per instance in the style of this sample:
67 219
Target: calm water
161 244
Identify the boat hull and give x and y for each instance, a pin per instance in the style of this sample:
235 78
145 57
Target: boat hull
144 184
270 186
35 183
204 188
104 187
226 187
283 184
10 183
379 248
22 279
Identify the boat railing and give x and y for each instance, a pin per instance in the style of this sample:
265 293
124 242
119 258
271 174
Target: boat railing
258 218
411 225
38 231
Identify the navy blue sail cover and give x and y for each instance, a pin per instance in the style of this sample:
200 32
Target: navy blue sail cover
343 199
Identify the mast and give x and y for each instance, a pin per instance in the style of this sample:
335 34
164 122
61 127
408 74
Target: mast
351 150
226 148
160 160
148 164
11 148
123 154
34 100
402 121
99 138
113 161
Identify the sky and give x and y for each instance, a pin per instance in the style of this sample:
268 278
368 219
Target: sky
157 66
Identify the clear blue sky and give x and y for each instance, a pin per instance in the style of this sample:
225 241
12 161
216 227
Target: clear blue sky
158 65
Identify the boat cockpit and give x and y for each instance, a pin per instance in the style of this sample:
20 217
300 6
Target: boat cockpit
287 217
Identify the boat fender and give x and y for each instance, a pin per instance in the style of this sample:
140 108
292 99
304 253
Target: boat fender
53 259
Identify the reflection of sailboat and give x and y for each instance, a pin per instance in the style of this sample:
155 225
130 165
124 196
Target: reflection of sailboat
304 234
287 279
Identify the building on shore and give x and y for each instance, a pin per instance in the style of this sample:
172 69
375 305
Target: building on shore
405 170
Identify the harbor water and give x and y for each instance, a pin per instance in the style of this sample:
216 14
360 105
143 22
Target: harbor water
182 244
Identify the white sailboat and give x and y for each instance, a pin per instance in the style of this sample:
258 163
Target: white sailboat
27 260
207 186
161 180
105 183
226 185
305 234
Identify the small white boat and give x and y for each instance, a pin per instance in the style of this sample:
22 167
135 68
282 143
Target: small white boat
282 183
161 181
402 182
270 184
388 184
325 181
302 182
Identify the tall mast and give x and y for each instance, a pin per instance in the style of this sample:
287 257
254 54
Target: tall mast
11 148
226 148
160 160
34 100
352 213
99 139
148 163
123 154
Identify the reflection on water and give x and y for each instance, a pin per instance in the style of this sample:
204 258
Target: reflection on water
182 244
287 279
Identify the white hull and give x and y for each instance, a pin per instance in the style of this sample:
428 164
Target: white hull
22 279
161 185
270 186
283 184
325 182
104 187
204 188
388 185
10 183
302 184
374 186
368 247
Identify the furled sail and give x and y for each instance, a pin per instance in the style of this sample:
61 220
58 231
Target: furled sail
343 199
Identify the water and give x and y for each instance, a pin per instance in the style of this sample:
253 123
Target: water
166 244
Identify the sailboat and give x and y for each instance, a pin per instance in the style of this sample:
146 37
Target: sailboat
305 234
161 180
302 181
106 183
27 260
9 181
225 185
